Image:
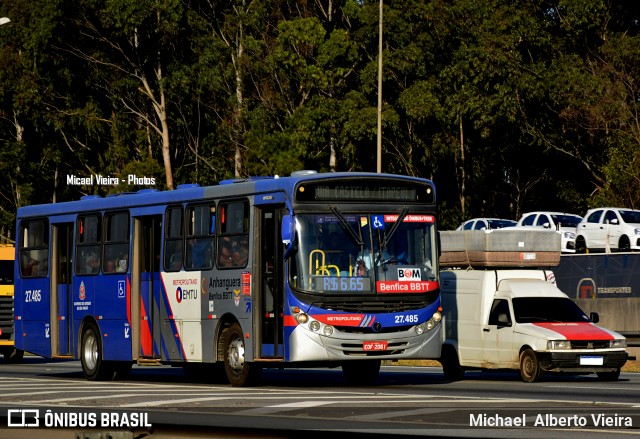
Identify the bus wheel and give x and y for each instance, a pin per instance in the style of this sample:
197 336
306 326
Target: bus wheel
530 370
94 368
361 373
239 372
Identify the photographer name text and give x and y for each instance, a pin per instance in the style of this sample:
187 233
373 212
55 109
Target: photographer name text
107 180
550 420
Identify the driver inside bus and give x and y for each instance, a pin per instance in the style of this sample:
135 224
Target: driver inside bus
363 261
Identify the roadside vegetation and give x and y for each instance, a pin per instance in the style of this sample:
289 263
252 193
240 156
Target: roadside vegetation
508 106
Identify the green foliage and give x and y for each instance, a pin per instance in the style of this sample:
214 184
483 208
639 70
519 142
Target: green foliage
508 106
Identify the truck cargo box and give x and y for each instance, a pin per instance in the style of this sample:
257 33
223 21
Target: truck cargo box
509 247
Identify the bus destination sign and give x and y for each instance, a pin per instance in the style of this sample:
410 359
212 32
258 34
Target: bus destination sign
350 191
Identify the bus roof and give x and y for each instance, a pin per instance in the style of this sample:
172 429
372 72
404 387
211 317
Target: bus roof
194 192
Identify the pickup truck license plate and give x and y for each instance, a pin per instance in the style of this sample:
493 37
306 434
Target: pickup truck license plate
378 345
591 360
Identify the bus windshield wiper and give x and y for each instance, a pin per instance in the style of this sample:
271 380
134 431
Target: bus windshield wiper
388 236
345 225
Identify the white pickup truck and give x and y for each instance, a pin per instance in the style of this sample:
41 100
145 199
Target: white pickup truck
518 319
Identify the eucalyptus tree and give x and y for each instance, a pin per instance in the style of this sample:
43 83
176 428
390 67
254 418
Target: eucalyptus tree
133 48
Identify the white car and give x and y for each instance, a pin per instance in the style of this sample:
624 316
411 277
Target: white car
486 224
609 228
564 223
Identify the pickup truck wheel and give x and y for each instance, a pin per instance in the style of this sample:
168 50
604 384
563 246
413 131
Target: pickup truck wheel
451 365
609 376
530 370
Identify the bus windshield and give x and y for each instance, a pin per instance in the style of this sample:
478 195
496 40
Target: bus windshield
342 252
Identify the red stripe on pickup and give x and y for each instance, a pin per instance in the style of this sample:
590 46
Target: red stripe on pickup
577 331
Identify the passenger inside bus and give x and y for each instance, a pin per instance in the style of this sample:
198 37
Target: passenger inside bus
122 262
240 253
225 256
30 267
43 268
175 263
92 264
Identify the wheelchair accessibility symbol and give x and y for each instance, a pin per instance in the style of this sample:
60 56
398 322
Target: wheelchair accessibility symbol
378 222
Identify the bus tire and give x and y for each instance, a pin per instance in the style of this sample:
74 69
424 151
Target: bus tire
361 372
239 372
93 366
530 370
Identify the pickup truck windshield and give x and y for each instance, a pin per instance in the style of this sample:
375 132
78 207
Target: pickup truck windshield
547 309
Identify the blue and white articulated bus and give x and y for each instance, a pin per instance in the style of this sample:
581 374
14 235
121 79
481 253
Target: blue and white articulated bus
335 269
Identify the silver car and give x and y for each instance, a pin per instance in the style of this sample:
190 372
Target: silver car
486 224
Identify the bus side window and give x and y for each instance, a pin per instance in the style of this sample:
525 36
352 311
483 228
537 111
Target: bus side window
174 239
199 249
34 248
88 244
116 243
233 234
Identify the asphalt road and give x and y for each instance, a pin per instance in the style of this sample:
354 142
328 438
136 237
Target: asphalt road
160 402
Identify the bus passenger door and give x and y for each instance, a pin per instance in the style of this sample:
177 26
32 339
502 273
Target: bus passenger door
61 276
271 291
145 278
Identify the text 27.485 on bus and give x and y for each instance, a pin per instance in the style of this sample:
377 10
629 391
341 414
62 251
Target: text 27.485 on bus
306 270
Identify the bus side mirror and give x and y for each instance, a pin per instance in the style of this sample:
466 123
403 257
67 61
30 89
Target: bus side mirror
288 233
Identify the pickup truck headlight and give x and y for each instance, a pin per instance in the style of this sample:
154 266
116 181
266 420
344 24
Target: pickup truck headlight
569 235
618 344
637 231
556 345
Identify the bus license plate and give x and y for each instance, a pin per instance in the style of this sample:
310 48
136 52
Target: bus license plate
368 346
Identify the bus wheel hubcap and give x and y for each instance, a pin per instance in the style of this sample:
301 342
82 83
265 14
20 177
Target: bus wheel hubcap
91 352
235 354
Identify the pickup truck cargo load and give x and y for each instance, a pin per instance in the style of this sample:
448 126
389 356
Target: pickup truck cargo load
508 247
518 319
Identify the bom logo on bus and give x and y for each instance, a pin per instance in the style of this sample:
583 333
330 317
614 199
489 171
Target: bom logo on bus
186 294
409 274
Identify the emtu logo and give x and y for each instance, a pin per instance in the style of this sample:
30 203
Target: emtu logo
188 294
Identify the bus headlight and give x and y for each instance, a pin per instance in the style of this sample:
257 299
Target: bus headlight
302 318
328 330
436 317
314 325
421 328
555 345
618 344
